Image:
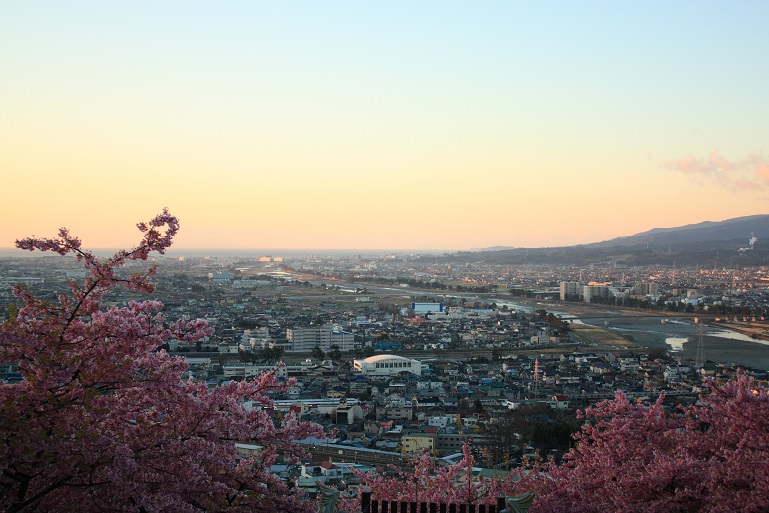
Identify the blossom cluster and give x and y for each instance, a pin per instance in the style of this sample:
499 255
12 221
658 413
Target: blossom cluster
105 421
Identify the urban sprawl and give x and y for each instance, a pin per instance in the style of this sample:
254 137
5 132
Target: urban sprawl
397 354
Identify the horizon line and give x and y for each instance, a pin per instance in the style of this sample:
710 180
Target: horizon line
265 251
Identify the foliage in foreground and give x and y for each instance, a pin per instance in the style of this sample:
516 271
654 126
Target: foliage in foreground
425 481
710 456
706 457
102 421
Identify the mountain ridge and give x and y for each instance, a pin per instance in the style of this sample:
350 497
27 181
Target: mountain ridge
704 242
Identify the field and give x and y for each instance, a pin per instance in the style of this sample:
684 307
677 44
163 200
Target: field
592 336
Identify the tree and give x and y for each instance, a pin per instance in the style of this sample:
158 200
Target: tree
707 457
318 353
657 353
104 421
262 355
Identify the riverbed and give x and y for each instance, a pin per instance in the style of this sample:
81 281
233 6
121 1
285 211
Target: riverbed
677 335
681 337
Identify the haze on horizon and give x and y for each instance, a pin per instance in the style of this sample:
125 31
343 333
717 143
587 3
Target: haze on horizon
353 125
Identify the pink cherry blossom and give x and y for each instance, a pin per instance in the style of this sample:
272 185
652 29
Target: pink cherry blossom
426 481
709 457
104 421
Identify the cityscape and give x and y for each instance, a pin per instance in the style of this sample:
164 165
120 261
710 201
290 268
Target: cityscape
398 354
450 257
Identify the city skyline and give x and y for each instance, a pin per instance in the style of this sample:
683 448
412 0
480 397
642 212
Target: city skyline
433 125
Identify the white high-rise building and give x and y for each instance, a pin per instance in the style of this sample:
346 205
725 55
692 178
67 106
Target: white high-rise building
591 291
570 288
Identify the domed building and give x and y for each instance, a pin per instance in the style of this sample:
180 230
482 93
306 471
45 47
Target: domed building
387 365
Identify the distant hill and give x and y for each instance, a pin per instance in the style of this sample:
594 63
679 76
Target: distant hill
493 248
732 232
706 244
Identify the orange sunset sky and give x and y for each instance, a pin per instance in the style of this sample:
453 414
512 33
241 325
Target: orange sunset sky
381 125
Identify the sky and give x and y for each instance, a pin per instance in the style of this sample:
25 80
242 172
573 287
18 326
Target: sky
381 125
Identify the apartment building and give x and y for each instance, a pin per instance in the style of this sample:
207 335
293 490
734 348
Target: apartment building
306 339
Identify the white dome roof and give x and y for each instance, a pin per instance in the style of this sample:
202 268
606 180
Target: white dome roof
380 357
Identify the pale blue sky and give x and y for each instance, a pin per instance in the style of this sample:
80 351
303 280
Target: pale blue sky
336 124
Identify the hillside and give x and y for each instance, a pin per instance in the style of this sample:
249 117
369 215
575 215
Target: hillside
706 244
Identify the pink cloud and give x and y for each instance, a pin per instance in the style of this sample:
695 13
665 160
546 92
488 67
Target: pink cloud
752 172
747 184
760 165
690 165
713 165
719 162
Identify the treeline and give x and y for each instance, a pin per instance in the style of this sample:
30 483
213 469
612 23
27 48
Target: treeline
663 304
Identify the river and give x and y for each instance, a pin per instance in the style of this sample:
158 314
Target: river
679 336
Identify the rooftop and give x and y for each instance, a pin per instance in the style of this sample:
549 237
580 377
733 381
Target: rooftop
380 357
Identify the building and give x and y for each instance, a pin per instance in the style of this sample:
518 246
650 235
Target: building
594 291
387 365
247 370
343 339
427 307
451 442
247 451
222 276
570 290
646 289
415 444
349 413
306 339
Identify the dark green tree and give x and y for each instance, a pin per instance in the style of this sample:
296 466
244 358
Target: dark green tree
318 353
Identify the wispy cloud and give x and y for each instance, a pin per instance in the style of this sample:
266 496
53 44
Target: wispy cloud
749 173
